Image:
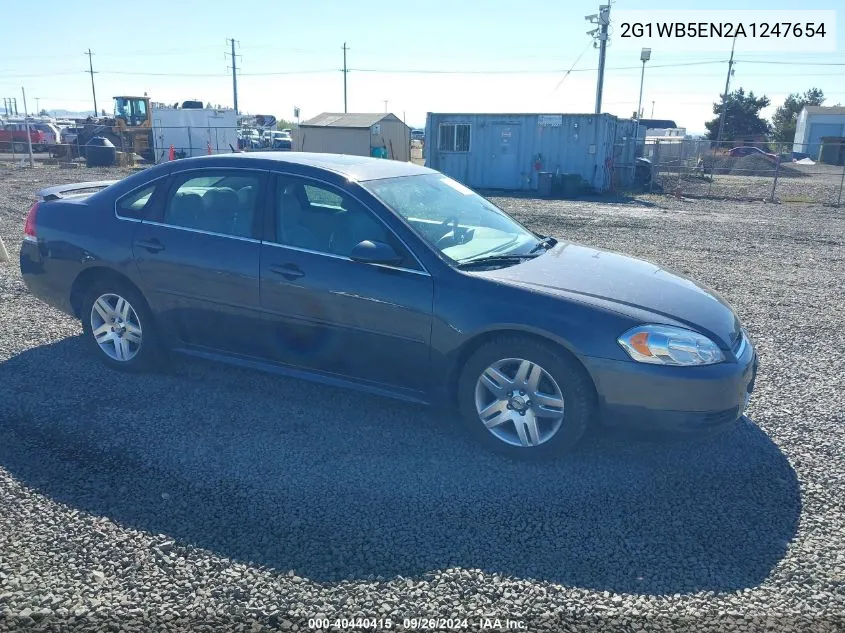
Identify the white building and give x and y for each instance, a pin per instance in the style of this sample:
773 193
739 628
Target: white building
814 123
193 131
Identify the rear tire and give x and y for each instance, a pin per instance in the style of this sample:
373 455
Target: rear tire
523 398
118 327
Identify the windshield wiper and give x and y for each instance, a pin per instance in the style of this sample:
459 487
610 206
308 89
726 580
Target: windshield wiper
545 243
493 260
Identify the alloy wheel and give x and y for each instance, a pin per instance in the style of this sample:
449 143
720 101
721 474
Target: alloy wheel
116 327
519 402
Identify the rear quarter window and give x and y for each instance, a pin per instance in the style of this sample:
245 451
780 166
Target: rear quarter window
134 205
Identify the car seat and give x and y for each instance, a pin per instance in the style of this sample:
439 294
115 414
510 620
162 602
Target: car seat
289 227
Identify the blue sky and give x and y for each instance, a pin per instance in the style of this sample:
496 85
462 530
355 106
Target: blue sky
176 50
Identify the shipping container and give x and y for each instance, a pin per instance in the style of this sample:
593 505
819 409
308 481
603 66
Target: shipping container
509 151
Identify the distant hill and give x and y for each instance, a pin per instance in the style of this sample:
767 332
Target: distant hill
69 114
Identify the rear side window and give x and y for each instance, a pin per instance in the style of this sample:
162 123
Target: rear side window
217 202
135 204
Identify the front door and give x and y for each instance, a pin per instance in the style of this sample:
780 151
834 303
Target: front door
198 259
329 313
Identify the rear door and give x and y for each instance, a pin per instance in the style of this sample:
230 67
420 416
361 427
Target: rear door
198 258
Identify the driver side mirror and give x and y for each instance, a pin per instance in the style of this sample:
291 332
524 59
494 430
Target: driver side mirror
371 252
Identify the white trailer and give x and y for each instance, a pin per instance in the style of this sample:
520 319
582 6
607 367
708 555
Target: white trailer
192 131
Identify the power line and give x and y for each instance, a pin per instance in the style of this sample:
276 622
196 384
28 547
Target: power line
433 71
522 71
137 74
790 63
291 72
571 68
51 74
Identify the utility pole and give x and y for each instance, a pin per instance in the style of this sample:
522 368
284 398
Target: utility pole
345 72
91 72
385 106
652 109
599 34
28 135
725 96
234 76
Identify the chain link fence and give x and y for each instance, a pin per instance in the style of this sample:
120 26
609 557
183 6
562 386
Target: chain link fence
747 171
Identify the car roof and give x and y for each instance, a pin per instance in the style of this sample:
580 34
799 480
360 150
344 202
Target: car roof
358 168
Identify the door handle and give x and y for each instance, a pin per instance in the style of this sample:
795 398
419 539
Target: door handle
153 245
288 271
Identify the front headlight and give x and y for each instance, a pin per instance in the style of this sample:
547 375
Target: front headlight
668 345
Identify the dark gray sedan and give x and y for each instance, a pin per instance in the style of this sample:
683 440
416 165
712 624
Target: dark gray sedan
389 278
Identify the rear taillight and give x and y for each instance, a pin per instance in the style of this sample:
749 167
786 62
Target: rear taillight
29 226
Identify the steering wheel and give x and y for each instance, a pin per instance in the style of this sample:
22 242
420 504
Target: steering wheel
451 237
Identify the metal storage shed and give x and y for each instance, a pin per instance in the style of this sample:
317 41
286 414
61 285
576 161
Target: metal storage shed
356 134
507 151
813 123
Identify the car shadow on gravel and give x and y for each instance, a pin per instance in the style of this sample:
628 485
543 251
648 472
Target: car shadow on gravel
336 485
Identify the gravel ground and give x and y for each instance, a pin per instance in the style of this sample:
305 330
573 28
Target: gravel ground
212 498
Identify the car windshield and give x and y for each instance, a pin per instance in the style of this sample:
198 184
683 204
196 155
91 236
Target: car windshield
454 219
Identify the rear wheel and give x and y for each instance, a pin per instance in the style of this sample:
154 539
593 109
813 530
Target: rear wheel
521 397
119 327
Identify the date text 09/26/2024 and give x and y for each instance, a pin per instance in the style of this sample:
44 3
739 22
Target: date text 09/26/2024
416 624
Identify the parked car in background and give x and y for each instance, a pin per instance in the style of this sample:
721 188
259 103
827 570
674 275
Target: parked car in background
417 135
249 139
52 134
390 278
282 140
747 150
13 137
69 134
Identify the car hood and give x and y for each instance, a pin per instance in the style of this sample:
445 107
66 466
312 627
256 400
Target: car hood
629 284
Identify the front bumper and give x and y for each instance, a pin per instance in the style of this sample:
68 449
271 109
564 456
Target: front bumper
674 399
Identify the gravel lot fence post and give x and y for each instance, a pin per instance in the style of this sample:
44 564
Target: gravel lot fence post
775 181
655 165
841 186
681 159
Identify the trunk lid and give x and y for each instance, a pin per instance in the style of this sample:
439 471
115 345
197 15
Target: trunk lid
75 190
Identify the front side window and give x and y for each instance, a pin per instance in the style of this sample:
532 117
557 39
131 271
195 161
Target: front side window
218 202
320 218
452 218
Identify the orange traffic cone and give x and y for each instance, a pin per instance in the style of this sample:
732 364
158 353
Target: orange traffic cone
172 154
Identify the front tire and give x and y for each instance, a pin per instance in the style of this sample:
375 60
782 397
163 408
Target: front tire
523 398
118 326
